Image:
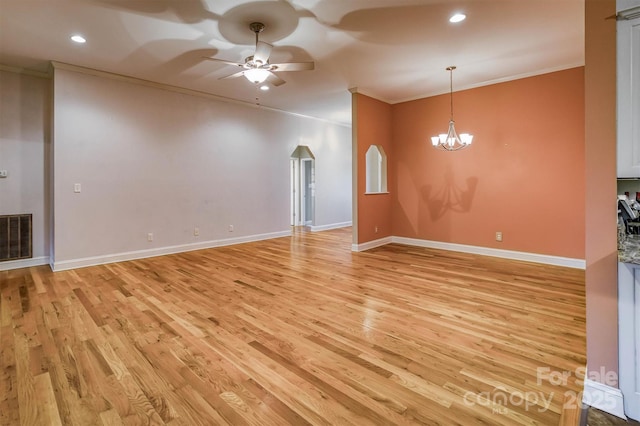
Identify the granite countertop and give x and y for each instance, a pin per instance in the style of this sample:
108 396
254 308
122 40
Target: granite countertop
629 250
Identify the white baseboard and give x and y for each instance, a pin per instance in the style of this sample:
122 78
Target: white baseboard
486 251
604 398
24 263
371 244
330 226
161 251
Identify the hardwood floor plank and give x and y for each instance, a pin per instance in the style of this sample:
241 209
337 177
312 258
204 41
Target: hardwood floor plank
303 398
46 400
28 387
9 405
72 410
360 411
110 418
285 413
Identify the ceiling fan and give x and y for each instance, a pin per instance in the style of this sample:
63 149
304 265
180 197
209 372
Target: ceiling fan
256 68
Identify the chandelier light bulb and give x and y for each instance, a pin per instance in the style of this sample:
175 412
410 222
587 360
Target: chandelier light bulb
466 138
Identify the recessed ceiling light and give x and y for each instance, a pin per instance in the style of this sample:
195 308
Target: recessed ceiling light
78 38
458 17
264 87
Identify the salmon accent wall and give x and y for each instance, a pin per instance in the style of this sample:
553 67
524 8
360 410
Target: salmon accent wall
373 118
601 276
523 175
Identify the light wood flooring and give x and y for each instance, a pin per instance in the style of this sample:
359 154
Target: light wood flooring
296 330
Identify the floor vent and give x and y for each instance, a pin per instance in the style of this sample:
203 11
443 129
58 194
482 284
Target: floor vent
15 237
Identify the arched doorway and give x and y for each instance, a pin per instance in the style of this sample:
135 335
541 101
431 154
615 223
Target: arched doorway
302 186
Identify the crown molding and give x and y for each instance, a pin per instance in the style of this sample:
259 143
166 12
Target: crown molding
148 83
25 71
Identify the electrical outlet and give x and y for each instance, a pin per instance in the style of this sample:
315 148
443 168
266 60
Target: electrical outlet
230 228
375 229
498 236
150 236
196 231
3 173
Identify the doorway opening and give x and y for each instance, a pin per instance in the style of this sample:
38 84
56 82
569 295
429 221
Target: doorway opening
302 187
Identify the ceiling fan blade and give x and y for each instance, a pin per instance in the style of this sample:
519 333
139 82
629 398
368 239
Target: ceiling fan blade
234 75
293 66
263 51
274 80
222 60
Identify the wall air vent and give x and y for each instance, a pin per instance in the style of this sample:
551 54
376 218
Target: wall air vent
15 237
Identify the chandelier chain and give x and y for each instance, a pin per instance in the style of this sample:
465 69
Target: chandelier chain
451 90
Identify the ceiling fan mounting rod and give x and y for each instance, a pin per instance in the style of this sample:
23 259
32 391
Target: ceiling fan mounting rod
256 27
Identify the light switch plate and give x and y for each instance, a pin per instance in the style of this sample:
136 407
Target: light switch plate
77 187
3 174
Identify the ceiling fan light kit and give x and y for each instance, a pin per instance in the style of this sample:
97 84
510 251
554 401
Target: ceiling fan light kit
450 141
257 69
256 75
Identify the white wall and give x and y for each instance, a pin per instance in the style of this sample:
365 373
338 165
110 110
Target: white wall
153 160
622 5
331 147
24 149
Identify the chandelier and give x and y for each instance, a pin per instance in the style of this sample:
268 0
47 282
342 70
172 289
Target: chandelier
450 141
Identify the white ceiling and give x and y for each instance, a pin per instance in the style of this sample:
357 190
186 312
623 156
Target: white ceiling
393 50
